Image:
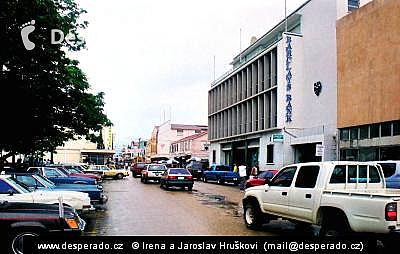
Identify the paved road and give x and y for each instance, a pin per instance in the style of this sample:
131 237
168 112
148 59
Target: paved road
135 208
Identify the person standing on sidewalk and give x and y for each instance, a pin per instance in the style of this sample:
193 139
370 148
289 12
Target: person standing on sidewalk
243 176
254 171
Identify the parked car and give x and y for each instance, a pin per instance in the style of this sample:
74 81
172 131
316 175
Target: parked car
77 170
13 190
177 177
221 174
261 178
137 168
21 220
39 182
152 172
58 177
391 170
107 172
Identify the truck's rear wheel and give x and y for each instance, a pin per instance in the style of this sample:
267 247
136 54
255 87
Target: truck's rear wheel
253 216
334 225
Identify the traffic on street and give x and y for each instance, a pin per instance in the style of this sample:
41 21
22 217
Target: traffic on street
135 208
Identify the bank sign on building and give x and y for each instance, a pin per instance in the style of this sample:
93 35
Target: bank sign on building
278 104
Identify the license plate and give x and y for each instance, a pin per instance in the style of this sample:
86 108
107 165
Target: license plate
181 178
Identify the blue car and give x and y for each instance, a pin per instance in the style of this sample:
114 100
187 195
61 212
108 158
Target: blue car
58 177
391 170
36 181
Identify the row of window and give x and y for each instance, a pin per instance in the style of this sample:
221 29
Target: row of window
258 76
369 131
307 175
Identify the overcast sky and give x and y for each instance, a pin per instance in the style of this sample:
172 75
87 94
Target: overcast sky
154 60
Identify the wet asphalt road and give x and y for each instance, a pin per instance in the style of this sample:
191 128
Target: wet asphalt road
135 208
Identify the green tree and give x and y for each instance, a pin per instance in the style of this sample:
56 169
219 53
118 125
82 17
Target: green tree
45 99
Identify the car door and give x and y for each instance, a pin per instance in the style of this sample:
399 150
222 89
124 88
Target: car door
302 195
275 197
13 194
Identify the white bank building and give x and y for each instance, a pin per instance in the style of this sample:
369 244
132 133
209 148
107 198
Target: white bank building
278 105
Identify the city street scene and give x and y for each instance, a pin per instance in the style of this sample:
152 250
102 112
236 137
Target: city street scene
269 120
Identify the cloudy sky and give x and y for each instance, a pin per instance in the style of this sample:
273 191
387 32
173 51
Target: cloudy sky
154 60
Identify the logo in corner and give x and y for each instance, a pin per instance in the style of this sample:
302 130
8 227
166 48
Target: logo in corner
26 29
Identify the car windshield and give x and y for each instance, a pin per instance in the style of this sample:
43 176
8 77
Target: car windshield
23 187
156 168
45 181
140 165
179 171
54 172
74 170
266 174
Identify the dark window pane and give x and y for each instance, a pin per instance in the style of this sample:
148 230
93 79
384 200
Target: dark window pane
354 133
374 175
362 174
368 154
284 177
375 130
364 132
396 128
307 177
270 153
344 134
352 174
386 129
338 174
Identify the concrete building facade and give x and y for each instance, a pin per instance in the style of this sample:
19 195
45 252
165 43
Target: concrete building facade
278 104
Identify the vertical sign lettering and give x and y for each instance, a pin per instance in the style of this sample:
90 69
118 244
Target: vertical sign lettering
289 84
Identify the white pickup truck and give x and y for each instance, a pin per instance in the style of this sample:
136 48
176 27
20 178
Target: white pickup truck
340 196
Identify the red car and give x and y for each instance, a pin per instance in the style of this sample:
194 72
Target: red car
75 170
137 168
260 178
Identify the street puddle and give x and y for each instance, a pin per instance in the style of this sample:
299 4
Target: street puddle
219 201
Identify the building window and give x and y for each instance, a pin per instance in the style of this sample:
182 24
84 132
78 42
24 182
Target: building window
354 133
214 155
396 128
375 130
197 131
386 129
179 132
353 5
344 134
270 153
364 132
